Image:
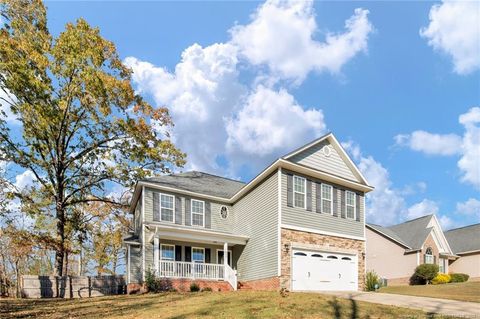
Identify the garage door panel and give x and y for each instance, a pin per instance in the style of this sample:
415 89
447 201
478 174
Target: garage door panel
318 271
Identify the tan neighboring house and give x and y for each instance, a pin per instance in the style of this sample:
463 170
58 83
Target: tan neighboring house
465 242
393 252
299 224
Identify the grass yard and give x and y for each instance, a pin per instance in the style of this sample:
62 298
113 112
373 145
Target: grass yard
204 305
464 291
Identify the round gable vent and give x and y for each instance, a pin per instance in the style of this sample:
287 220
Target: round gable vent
224 212
326 150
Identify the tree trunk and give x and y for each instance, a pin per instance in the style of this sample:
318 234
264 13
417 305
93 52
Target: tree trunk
17 272
60 248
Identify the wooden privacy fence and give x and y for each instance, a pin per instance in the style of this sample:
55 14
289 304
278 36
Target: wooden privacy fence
72 286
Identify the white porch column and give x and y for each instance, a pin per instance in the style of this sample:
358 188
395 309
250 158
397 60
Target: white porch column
225 255
156 255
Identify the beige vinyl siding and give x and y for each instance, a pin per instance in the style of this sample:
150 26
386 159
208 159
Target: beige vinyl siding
313 157
256 215
299 217
217 223
135 264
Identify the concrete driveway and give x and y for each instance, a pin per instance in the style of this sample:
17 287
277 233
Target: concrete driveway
429 305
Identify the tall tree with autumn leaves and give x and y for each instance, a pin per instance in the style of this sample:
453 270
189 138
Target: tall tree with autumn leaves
83 127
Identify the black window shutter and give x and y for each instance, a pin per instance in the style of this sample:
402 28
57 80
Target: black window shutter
188 253
178 253
208 215
319 197
425 258
309 195
207 255
335 201
178 210
289 190
188 219
156 207
357 207
342 203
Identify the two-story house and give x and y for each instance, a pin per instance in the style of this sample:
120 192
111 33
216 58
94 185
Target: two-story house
299 224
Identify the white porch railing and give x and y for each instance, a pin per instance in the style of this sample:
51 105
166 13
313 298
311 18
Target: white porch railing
231 276
181 269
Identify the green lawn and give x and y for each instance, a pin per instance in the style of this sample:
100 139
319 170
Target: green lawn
246 304
465 291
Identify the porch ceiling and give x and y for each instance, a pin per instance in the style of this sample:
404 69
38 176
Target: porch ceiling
196 235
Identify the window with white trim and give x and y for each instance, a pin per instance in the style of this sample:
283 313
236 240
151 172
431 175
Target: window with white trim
350 203
429 256
166 207
198 212
167 252
299 191
327 199
198 255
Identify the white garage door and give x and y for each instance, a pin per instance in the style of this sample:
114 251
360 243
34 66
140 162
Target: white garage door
316 270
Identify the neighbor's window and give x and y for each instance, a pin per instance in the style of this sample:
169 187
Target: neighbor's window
350 201
299 191
198 212
198 255
167 252
429 256
327 203
166 208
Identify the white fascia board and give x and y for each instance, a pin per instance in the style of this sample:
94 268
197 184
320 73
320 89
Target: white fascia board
279 222
178 233
324 176
321 232
442 235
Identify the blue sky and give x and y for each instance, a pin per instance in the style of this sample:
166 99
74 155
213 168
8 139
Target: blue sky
287 73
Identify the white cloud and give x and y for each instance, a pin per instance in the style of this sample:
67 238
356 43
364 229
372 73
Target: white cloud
24 180
432 144
446 222
467 146
455 30
471 208
281 35
386 204
271 121
425 207
220 118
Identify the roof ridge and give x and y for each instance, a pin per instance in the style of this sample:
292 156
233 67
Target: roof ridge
411 220
466 226
227 178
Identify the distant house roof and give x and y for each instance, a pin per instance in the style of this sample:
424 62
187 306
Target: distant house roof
413 232
464 239
389 233
199 182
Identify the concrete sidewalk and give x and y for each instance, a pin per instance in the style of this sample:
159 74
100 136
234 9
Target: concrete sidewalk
429 305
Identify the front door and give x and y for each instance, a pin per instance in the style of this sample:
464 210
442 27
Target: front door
220 256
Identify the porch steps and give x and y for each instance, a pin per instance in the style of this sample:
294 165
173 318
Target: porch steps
244 286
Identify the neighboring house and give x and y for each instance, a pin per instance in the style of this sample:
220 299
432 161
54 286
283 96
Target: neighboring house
394 252
299 224
465 242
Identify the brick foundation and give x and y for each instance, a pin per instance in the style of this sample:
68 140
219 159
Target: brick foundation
135 288
301 239
268 284
183 285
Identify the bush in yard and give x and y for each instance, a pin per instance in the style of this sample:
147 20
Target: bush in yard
371 280
441 279
459 277
194 287
424 273
155 284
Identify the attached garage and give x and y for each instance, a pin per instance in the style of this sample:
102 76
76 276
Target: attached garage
318 270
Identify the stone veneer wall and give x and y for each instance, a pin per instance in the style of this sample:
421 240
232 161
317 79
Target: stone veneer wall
301 239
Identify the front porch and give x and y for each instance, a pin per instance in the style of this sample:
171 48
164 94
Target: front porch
195 255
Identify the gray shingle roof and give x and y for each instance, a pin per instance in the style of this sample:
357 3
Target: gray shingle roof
388 233
199 182
464 239
413 232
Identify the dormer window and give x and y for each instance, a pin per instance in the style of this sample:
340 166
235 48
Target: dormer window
299 193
